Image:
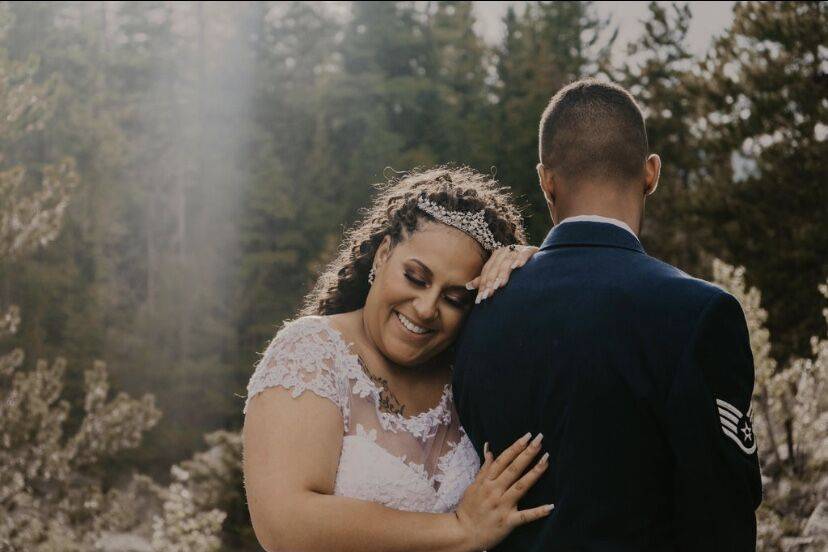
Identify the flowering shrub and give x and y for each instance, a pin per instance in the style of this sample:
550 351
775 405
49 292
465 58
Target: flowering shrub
189 520
49 494
790 408
52 495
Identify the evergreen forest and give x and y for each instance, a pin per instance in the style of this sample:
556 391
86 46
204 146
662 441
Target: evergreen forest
174 176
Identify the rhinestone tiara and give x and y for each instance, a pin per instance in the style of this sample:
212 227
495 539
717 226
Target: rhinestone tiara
473 224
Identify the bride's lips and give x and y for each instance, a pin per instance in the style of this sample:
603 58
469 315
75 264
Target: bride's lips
411 334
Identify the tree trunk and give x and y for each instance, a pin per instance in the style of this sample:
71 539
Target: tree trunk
763 402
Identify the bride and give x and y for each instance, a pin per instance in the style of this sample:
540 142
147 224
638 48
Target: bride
351 439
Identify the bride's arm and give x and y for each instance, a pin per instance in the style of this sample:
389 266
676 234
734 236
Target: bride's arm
291 454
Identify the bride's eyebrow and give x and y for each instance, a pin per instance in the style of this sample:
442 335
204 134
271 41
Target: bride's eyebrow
422 265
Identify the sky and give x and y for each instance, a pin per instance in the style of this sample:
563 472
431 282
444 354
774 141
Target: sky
709 20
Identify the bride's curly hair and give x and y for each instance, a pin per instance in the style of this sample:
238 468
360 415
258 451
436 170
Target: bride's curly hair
343 285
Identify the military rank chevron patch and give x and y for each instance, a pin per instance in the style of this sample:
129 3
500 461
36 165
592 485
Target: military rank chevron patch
737 426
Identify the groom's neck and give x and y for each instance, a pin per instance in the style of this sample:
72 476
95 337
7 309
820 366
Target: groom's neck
601 202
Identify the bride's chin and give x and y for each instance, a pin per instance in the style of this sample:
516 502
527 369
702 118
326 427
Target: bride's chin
404 348
422 357
402 352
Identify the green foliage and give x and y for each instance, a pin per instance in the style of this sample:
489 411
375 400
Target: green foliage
54 491
658 72
546 47
214 155
764 202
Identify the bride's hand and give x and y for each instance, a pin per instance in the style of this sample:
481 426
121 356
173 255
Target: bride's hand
488 512
498 268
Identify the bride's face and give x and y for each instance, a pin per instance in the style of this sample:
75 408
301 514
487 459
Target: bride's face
418 301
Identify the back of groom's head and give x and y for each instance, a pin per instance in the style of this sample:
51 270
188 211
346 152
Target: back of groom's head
593 131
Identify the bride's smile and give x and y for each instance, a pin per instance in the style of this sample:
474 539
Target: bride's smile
411 326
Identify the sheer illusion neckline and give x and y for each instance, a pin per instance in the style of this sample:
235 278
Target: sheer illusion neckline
432 417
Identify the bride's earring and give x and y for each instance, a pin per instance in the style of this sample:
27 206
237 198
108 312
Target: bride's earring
371 276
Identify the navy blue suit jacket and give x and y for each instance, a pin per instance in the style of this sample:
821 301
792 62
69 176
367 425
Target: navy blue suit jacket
639 378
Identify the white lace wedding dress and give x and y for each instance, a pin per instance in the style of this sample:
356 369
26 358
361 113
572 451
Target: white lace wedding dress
422 463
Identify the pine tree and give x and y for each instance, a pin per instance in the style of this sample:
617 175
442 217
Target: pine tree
288 205
61 276
461 112
546 47
49 487
765 149
658 72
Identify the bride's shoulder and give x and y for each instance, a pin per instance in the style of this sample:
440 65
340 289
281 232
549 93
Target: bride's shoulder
303 356
311 330
303 325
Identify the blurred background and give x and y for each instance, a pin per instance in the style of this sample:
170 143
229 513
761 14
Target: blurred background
174 175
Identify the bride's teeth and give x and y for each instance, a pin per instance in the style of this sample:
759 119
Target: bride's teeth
410 325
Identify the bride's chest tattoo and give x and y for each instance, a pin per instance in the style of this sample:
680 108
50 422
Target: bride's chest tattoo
388 402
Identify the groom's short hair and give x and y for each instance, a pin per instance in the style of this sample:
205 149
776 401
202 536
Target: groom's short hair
593 130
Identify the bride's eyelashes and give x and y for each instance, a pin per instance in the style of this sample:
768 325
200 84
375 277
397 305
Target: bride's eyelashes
415 281
454 302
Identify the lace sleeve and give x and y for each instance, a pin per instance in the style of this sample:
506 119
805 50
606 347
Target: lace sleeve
300 358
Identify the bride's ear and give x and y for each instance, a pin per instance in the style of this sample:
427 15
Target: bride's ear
383 252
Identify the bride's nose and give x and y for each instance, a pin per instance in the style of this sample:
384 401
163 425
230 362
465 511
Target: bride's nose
425 305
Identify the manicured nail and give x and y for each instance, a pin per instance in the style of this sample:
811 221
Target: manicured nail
544 458
498 284
525 438
477 299
485 449
549 507
485 295
469 286
538 438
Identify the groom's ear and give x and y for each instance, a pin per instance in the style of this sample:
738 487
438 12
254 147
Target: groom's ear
546 181
652 172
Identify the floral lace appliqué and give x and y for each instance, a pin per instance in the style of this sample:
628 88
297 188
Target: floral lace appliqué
308 354
300 358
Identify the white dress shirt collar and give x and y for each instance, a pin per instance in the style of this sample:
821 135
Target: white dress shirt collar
597 218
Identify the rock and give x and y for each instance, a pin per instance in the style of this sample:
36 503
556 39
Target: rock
817 525
797 544
819 458
783 487
123 542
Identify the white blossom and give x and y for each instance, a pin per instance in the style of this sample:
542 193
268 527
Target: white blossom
790 406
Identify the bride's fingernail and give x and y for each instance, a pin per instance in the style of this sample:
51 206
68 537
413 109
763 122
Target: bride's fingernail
538 438
544 458
485 449
525 438
550 507
469 286
514 264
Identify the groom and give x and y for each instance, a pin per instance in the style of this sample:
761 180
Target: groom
638 376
